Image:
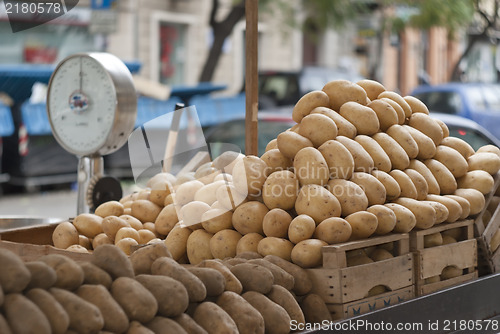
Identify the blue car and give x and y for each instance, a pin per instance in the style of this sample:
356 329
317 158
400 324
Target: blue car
479 102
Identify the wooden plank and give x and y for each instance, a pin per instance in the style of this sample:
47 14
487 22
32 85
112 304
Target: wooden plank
30 252
492 227
37 235
417 236
199 159
173 133
251 77
433 287
478 221
351 245
431 261
326 283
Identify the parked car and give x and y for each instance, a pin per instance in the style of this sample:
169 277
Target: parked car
273 122
281 88
479 102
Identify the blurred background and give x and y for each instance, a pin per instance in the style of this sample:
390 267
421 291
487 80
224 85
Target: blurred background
194 50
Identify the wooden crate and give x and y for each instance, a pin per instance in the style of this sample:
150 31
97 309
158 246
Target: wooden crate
345 289
431 261
30 243
478 220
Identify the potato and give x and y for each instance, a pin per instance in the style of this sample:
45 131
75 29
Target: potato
404 138
24 316
112 260
421 187
248 243
301 228
185 192
88 224
280 188
432 279
166 219
176 241
453 208
425 214
250 255
169 267
310 167
145 236
246 317
351 196
248 217
441 211
363 224
249 175
308 102
275 246
198 246
84 317
137 301
405 219
53 311
189 325
69 273
443 176
464 203
109 208
253 277
115 319
132 221
136 328
358 260
192 212
490 149
226 161
159 191
165 326
397 108
92 274
42 275
495 241
289 143
214 319
280 276
143 258
450 272
276 318
126 244
392 188
426 147
399 100
342 91
338 158
308 254
432 184
65 234
84 242
344 127
386 218
372 88
477 179
363 162
416 105
302 282
315 309
452 159
489 162
285 299
145 211
397 155
317 202
276 223
215 220
380 158
362 117
318 128
127 232
459 145
101 239
381 254
333 231
386 114
474 197
231 282
276 161
374 189
77 249
223 244
428 126
433 240
228 198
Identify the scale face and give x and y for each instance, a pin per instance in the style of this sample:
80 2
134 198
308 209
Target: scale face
91 103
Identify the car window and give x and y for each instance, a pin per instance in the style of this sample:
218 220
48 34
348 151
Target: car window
444 102
275 86
492 97
475 138
477 98
234 133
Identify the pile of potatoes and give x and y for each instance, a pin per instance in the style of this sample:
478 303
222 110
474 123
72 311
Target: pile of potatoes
149 292
361 161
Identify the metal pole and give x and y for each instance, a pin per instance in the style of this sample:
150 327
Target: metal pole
251 77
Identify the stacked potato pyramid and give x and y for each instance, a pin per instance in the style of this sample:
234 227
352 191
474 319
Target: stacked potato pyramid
361 161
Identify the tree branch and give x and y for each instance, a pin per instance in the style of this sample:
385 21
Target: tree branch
215 8
234 16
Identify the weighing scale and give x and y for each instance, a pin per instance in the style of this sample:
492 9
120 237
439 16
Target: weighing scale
92 108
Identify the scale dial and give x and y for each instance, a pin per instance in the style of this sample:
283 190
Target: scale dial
91 103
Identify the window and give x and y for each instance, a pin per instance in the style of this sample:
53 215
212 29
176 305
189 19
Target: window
444 102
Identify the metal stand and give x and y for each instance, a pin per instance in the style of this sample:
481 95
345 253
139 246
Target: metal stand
88 167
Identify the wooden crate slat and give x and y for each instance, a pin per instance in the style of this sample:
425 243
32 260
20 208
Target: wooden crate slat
417 236
351 245
492 226
432 261
29 252
433 287
326 283
478 221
